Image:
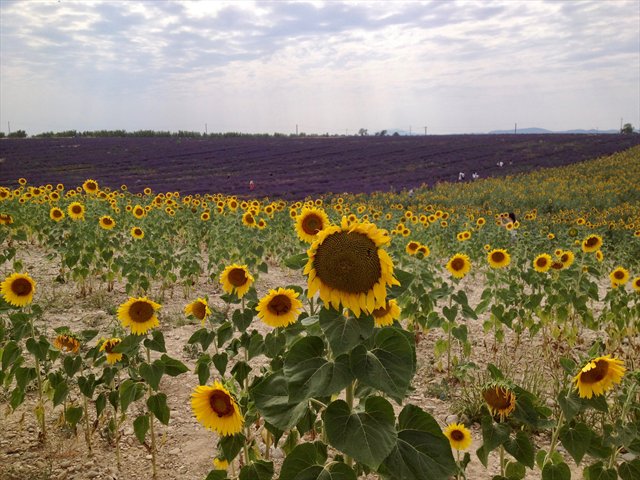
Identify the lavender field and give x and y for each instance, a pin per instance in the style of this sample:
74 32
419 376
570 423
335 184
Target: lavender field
292 167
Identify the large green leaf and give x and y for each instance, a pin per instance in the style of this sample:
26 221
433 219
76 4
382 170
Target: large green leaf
152 373
141 426
560 471
258 470
271 397
576 439
367 436
422 451
598 471
310 374
130 391
405 279
521 448
344 333
157 404
156 342
493 435
388 366
10 354
307 462
231 445
38 348
630 470
172 367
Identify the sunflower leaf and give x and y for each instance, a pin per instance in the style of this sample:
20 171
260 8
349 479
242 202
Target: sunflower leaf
307 462
297 262
130 392
521 448
560 471
128 345
493 435
73 415
344 333
258 470
172 367
141 426
629 470
271 396
231 445
71 365
152 374
157 404
405 279
576 439
156 343
220 361
598 471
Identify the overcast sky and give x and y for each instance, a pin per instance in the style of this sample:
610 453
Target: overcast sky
327 66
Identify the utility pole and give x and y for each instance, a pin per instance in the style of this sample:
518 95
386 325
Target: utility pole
515 129
205 129
620 124
296 129
425 131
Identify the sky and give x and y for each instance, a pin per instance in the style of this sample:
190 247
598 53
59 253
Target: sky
319 66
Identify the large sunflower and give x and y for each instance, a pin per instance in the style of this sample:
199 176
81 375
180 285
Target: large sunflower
542 262
236 278
311 221
76 210
18 289
459 265
216 409
567 258
459 436
107 347
347 266
56 214
592 243
139 314
498 258
67 342
107 222
90 186
385 316
279 308
619 276
598 376
199 309
500 399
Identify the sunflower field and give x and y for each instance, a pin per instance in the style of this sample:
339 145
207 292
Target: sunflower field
487 329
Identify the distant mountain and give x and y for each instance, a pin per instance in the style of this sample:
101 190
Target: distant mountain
544 130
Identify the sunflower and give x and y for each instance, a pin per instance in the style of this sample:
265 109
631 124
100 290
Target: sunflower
347 266
412 247
619 276
498 258
107 222
599 256
139 314
199 309
216 409
424 251
598 376
236 278
248 219
220 464
459 436
279 308
309 222
480 222
67 342
5 219
385 316
18 289
138 212
90 186
500 399
205 216
542 262
592 243
137 233
76 210
567 257
459 265
107 347
635 283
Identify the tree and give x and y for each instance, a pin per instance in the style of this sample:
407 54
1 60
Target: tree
628 128
363 132
18 134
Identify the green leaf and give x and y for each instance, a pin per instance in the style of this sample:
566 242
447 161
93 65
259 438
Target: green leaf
389 366
369 436
344 333
242 319
217 475
87 385
172 367
405 279
202 369
10 354
271 397
297 262
231 445
141 427
72 415
130 392
597 471
515 471
38 349
60 393
256 345
310 374
422 452
630 470
450 313
521 448
152 374
307 462
241 371
25 375
220 361
570 403
258 470
203 336
72 365
493 435
157 404
576 439
224 333
156 343
274 343
560 471
17 397
129 345
568 365
101 403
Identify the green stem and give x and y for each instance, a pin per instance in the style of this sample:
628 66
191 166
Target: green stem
153 434
502 460
40 412
349 399
554 438
87 432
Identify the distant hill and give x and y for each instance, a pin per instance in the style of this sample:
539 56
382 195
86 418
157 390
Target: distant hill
544 130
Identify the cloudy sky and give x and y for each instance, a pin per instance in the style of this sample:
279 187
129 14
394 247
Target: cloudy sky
326 66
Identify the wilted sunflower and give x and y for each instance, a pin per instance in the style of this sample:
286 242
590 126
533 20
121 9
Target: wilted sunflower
567 257
236 278
619 276
412 247
459 436
500 399
598 376
76 210
309 222
199 309
139 314
385 316
498 258
90 186
107 222
542 262
67 342
347 266
592 243
279 308
137 233
459 265
107 347
216 409
18 289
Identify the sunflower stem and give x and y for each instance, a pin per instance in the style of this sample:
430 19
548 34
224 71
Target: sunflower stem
87 432
554 438
152 430
349 399
40 412
502 469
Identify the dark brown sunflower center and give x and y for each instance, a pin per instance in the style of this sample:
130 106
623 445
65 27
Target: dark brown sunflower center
249 218
237 277
220 403
457 435
107 221
591 241
312 224
564 258
557 265
348 262
280 305
137 231
457 264
497 257
91 186
618 274
57 213
596 374
413 246
21 287
140 312
138 211
76 209
110 345
199 310
499 399
541 262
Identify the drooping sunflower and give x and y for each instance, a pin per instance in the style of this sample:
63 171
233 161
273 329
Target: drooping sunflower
76 210
498 258
106 222
567 258
542 262
347 266
236 278
139 314
500 399
137 233
216 409
107 347
90 186
385 316
18 289
199 309
592 243
309 222
412 247
459 265
459 436
279 308
619 276
598 376
67 342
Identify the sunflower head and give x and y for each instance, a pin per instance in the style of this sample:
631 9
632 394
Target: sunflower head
309 222
279 308
18 289
199 309
220 464
216 409
567 258
67 342
76 210
592 243
424 251
107 346
138 211
619 276
137 233
106 222
498 258
459 436
635 283
385 316
236 279
598 376
139 314
90 186
500 399
459 265
542 262
412 247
